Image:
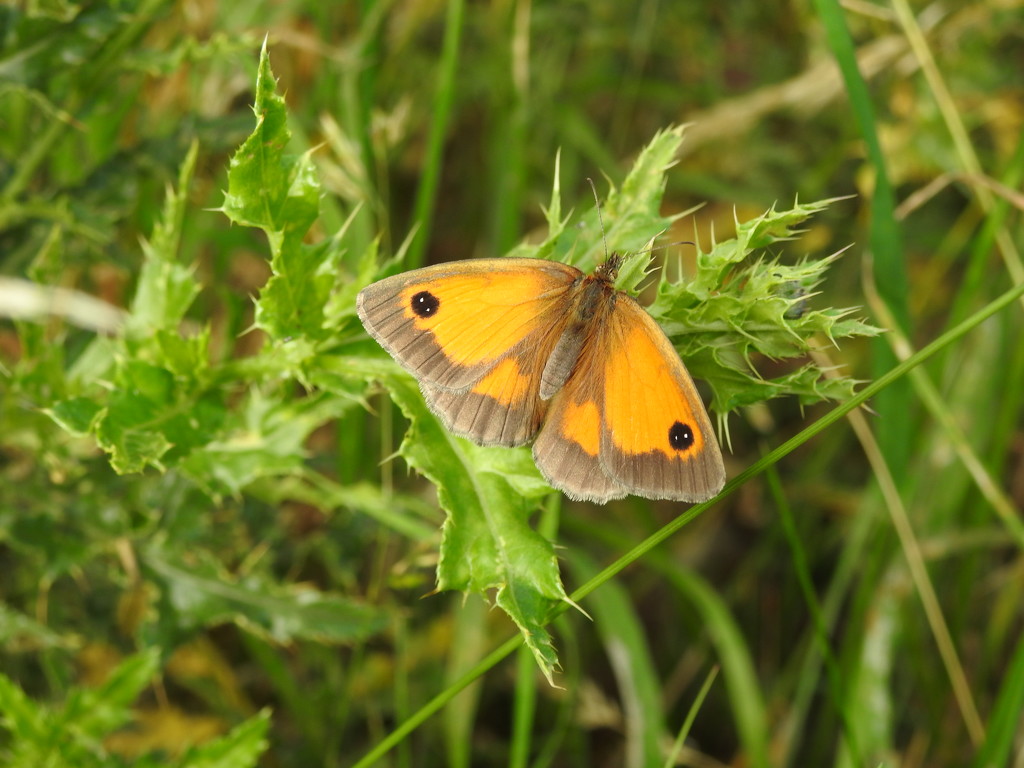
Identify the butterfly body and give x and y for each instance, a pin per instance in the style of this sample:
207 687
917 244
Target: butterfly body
509 351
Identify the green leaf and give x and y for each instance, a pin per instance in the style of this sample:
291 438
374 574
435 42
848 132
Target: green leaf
130 427
20 633
293 300
241 748
75 415
487 542
740 307
21 717
152 407
106 707
262 437
261 177
166 287
279 193
200 593
72 732
627 221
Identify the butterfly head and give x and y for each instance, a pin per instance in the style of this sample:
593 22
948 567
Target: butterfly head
608 270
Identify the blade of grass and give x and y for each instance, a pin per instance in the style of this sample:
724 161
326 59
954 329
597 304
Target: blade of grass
524 706
837 413
426 194
358 93
1004 720
509 139
409 725
468 640
894 406
977 269
401 686
93 79
741 681
677 747
1003 506
919 573
630 658
958 131
525 702
820 630
849 570
562 727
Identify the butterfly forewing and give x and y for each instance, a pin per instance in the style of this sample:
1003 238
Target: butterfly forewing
451 323
476 334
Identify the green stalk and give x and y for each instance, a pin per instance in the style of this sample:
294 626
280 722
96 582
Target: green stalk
659 537
426 195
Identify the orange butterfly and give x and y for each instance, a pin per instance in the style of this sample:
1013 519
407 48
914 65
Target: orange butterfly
512 350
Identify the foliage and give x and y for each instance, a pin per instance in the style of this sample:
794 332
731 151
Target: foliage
201 518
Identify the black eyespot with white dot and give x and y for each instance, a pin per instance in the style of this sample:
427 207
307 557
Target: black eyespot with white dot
680 436
425 304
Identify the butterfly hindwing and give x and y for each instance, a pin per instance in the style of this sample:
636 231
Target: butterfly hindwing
568 448
657 439
629 419
504 407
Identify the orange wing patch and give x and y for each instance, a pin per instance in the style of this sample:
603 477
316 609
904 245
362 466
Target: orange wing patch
647 395
567 450
477 317
581 423
506 383
657 439
504 406
451 323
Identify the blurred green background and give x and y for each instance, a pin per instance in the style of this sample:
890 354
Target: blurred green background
861 601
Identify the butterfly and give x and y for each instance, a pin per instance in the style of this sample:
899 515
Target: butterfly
513 350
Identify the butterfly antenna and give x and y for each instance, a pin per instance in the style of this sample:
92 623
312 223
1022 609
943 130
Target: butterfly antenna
600 219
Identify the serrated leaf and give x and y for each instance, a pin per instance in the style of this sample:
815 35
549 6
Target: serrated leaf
630 216
130 427
293 301
124 684
487 543
202 594
184 356
21 717
72 731
92 713
167 287
342 303
241 748
75 415
264 437
20 633
740 306
279 193
260 175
